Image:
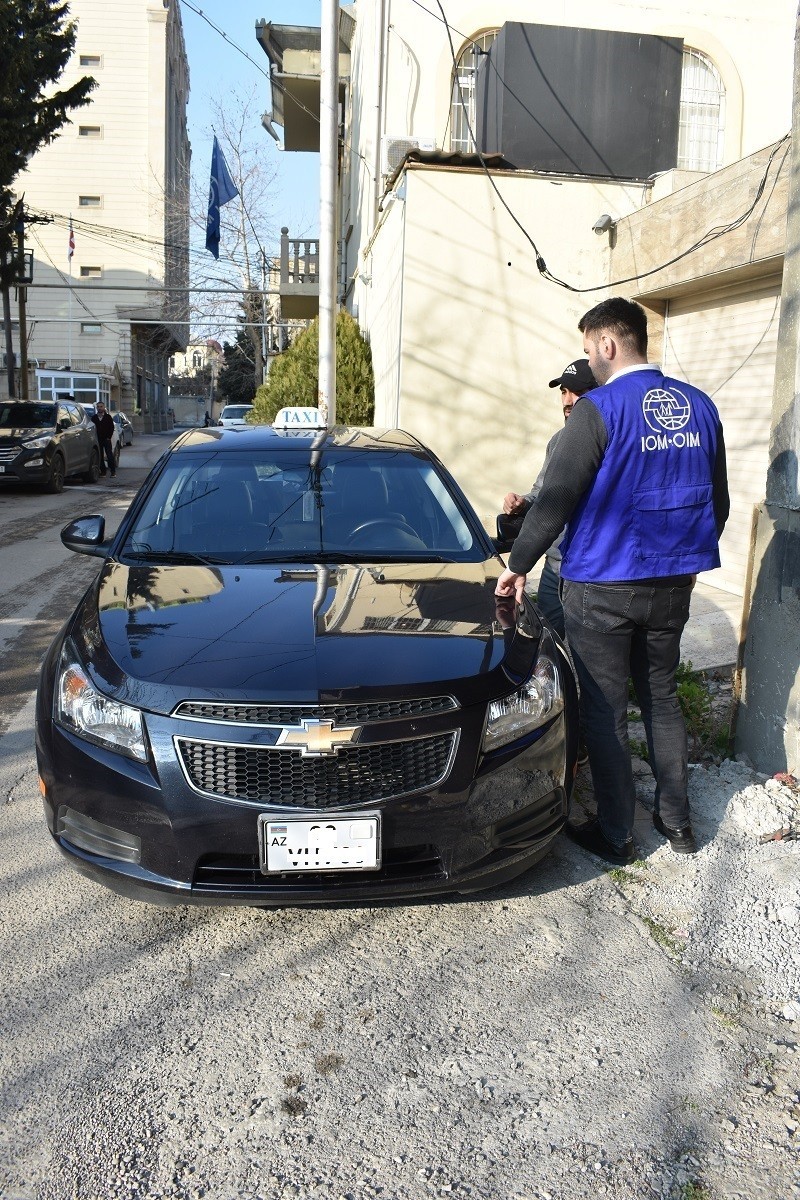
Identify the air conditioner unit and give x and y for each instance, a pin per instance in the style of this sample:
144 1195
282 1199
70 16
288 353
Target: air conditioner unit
394 148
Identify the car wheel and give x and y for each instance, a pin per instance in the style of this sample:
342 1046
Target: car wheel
93 474
55 482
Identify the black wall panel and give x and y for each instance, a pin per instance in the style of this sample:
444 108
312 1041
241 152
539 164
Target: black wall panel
580 101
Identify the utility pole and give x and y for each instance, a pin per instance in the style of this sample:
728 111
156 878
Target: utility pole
328 180
21 296
768 729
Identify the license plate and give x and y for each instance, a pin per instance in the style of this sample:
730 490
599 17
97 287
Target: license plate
330 843
2 470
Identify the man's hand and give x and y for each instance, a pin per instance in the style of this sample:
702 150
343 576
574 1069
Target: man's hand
511 584
513 504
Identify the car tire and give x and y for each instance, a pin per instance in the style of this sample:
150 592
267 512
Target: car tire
93 474
55 481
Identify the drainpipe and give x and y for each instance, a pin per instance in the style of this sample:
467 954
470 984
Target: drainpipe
380 50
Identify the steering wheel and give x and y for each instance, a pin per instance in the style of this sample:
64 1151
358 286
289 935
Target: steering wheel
388 523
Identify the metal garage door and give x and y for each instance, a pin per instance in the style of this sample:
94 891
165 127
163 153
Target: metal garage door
725 342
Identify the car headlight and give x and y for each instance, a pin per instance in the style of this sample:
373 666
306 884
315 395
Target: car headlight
538 700
39 443
98 718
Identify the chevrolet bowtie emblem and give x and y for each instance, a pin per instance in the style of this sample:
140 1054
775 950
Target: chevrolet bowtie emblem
316 738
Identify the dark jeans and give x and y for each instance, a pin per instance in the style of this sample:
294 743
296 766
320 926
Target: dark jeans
615 631
107 454
548 599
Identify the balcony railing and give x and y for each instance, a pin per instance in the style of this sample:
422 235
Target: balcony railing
299 276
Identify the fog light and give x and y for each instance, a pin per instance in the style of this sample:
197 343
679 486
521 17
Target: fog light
97 838
35 462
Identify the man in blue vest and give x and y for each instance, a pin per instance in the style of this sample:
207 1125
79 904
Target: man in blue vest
639 478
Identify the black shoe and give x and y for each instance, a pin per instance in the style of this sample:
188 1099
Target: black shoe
681 840
591 837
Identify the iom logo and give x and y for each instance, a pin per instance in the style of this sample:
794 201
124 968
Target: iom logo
666 410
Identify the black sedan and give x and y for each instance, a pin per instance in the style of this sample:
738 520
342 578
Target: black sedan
292 683
43 442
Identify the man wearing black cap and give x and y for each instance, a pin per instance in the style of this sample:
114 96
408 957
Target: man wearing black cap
574 381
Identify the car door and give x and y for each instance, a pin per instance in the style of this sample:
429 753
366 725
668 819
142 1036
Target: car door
76 439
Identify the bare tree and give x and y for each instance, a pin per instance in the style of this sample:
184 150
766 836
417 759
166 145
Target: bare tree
248 225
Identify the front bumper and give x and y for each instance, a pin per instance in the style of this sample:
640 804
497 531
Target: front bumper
490 820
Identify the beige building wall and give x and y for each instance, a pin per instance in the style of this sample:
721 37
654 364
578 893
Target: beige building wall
126 154
478 333
402 68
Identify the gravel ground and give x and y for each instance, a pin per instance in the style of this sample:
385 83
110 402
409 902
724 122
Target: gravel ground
578 1034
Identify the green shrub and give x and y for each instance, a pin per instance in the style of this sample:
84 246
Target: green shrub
293 378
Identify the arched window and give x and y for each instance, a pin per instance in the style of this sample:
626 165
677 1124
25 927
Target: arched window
701 135
463 95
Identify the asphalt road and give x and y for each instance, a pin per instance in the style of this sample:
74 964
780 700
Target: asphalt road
573 1036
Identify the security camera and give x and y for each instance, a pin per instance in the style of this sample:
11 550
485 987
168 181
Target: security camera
603 224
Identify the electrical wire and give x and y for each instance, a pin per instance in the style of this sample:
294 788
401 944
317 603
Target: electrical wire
710 236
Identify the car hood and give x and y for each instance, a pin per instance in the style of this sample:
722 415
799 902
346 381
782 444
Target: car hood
10 436
156 635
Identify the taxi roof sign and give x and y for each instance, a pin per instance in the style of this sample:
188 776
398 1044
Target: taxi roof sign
300 419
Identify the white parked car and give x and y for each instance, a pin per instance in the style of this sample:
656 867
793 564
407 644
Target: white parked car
234 416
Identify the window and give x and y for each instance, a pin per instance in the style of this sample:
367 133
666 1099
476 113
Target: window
464 92
91 272
197 360
91 327
90 201
91 60
701 136
90 131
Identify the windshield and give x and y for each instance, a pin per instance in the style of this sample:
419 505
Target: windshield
27 416
265 505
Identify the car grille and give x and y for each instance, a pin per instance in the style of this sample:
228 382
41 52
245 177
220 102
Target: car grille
357 775
9 455
366 713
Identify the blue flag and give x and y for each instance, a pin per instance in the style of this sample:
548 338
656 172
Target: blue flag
222 190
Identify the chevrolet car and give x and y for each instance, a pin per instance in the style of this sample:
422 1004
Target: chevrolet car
292 683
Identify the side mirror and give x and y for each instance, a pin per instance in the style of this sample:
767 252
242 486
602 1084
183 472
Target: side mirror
86 536
507 529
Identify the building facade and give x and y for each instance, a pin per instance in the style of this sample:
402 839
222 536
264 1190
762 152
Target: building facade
448 261
115 307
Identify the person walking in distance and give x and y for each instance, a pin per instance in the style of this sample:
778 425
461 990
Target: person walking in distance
104 424
639 477
574 381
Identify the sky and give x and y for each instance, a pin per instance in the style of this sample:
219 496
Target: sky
216 68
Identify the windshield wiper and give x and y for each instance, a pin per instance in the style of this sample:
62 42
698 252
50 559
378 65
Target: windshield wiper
177 557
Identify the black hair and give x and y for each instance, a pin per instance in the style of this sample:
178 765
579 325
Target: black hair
626 319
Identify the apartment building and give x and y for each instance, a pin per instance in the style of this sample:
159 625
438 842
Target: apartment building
105 317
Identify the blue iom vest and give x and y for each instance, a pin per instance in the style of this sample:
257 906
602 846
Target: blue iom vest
649 512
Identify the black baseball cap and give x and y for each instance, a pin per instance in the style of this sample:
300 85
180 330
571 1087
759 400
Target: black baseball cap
576 377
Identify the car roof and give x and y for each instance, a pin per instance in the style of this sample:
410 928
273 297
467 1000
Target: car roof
258 437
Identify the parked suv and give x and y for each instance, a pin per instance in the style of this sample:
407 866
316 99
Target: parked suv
43 442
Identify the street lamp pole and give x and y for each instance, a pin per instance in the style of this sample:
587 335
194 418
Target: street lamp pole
328 179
